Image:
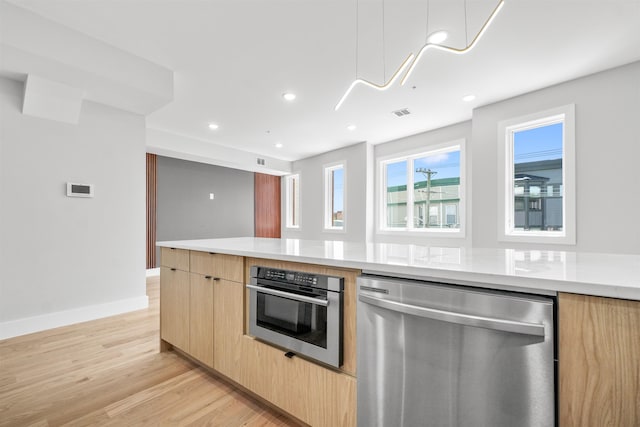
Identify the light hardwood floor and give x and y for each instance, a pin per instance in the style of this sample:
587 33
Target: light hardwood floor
110 372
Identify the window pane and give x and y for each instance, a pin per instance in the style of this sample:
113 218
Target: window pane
396 194
337 210
293 204
436 183
537 159
452 215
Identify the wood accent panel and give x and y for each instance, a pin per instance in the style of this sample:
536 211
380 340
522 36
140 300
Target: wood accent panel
228 318
599 361
117 377
174 307
350 275
223 266
267 205
174 258
201 323
152 202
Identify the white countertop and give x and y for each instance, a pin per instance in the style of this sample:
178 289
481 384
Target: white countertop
539 271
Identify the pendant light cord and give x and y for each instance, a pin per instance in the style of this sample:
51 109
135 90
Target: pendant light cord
357 33
426 26
466 37
384 55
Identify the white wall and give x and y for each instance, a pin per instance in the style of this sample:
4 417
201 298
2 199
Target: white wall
607 158
358 206
62 259
424 140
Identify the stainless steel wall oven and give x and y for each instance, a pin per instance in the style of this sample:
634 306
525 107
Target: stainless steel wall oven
301 312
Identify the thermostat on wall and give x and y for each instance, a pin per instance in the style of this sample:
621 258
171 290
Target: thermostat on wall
79 190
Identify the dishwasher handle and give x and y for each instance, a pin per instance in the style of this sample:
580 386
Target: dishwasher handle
536 329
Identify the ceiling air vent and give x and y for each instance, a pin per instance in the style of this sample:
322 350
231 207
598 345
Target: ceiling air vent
260 161
403 112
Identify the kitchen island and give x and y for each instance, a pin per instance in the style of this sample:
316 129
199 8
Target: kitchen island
536 271
598 317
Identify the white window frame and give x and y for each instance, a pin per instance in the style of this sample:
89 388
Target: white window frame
328 201
409 156
289 179
506 233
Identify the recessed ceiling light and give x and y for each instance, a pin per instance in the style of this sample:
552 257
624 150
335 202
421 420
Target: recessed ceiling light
468 98
278 145
289 96
213 126
351 127
437 37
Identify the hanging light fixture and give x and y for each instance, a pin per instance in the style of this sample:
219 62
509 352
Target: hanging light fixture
373 85
457 51
368 83
412 60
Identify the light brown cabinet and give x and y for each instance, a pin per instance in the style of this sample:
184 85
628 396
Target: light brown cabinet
203 304
174 307
229 267
201 318
314 394
190 282
175 258
599 361
228 318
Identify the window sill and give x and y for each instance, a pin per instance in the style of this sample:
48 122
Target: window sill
549 237
334 230
449 233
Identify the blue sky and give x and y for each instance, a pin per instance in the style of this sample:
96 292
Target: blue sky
446 164
542 143
338 189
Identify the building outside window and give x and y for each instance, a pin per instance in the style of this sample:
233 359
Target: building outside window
433 204
538 160
334 188
292 185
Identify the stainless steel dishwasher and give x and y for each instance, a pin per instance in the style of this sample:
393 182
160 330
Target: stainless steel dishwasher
431 354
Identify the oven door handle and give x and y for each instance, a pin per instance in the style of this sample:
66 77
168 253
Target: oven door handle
301 298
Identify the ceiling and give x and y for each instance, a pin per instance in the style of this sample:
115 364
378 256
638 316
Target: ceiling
233 60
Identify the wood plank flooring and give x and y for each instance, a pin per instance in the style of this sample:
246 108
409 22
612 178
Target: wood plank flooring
109 372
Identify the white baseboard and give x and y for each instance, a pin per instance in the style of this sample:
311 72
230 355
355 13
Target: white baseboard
28 325
153 272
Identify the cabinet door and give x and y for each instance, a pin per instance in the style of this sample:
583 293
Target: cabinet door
201 318
599 361
314 394
174 307
228 303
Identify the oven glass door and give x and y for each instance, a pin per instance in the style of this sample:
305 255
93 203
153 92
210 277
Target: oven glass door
304 321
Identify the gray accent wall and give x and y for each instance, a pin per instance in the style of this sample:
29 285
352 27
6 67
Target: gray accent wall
184 210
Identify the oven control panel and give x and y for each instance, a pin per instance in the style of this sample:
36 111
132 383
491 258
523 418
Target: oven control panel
296 277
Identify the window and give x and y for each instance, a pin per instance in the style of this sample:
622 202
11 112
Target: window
538 180
293 201
423 191
334 188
